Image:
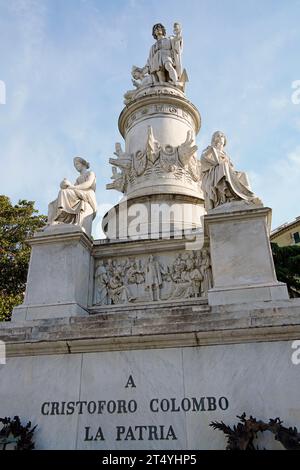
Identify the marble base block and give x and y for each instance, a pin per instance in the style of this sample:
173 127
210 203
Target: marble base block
58 277
241 257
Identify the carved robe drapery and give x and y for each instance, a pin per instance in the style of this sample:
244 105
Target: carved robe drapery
220 182
166 50
153 274
71 204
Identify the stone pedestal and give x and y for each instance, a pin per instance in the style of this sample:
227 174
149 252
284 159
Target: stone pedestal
59 274
241 257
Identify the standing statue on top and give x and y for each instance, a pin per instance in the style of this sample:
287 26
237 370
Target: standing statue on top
221 183
164 61
163 65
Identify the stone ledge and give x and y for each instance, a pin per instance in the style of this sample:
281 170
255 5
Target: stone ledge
123 247
157 306
61 233
247 212
158 341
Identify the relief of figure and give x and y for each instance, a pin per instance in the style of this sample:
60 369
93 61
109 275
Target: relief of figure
178 269
101 282
153 278
140 271
186 277
220 181
196 280
206 271
134 273
164 61
110 267
194 276
76 204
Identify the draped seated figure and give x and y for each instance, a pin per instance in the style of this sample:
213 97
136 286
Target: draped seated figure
76 203
221 183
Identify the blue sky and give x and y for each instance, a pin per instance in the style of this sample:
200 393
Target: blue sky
66 65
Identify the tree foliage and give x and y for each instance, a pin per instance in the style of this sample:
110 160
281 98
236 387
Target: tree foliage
287 265
17 224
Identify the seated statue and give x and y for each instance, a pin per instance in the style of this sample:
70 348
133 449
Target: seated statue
220 181
76 204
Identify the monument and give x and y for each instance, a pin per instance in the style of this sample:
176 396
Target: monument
176 319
